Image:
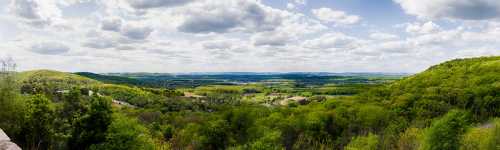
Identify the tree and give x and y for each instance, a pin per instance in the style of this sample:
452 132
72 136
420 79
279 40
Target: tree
484 137
410 139
369 142
125 134
91 128
38 129
372 117
73 106
11 103
445 133
214 135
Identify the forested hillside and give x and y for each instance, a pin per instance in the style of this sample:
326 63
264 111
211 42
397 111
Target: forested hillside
471 84
453 105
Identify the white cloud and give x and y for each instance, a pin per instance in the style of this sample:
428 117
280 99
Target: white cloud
425 28
145 4
36 12
111 24
395 47
332 40
335 16
99 43
452 9
271 39
294 4
383 36
136 31
49 48
229 35
225 16
220 44
290 6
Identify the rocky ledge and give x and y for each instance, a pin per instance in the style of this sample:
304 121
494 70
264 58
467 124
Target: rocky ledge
5 143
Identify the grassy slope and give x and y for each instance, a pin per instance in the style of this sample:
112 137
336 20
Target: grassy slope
55 80
53 75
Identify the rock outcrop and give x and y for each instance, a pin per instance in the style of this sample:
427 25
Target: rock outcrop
5 143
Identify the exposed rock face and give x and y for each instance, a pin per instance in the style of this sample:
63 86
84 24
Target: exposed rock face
5 143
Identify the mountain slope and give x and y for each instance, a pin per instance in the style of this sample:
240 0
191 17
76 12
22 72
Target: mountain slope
472 84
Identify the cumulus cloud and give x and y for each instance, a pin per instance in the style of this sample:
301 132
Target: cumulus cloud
99 43
111 24
425 28
383 36
25 8
271 39
136 32
223 16
36 12
220 44
395 47
452 9
239 34
381 48
293 4
145 4
335 16
332 40
49 48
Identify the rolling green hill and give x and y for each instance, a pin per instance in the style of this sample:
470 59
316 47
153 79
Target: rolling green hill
48 81
52 75
472 84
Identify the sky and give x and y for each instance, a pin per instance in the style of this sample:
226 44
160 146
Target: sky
246 35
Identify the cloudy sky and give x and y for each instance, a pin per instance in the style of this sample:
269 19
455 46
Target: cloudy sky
246 35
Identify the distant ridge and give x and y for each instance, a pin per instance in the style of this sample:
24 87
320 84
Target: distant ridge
110 78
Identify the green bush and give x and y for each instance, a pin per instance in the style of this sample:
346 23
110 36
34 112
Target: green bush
369 142
445 132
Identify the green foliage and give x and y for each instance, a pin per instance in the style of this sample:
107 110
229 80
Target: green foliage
445 133
410 139
212 135
51 83
470 84
369 142
125 134
91 128
268 142
133 95
111 79
11 104
373 117
38 128
483 137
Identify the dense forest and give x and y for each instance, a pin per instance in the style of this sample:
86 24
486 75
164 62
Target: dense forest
453 105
